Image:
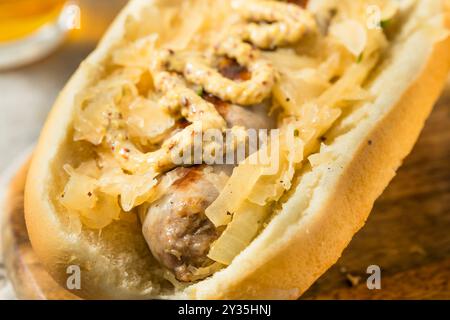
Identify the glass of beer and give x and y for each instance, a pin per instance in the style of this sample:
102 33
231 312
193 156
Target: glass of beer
30 29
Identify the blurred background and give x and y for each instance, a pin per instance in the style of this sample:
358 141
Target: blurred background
28 92
42 42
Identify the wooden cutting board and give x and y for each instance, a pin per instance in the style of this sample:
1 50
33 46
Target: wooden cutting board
407 234
28 277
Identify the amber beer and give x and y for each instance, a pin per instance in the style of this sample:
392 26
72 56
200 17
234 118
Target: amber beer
21 18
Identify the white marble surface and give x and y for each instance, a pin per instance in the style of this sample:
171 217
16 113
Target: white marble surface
26 97
27 93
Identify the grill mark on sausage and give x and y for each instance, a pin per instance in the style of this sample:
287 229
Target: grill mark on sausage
232 70
221 106
177 230
183 123
189 177
300 3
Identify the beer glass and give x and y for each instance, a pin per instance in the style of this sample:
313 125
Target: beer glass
30 29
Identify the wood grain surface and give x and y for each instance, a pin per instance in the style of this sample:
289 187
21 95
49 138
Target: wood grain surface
28 276
407 234
408 231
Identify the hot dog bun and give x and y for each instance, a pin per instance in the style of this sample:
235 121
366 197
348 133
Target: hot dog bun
316 222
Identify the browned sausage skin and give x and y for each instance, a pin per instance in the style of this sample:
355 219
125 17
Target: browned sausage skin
253 117
300 3
175 227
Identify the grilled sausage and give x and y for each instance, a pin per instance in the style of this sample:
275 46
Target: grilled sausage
176 228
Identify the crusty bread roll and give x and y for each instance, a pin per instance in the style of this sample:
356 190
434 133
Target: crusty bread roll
319 216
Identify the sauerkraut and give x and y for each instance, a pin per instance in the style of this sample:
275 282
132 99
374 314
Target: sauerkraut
151 100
